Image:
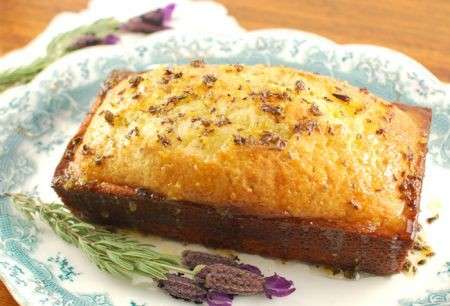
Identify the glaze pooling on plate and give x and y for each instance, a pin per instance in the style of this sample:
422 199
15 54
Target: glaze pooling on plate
38 119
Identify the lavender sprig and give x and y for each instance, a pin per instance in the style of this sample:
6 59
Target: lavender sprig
227 277
150 22
93 40
100 32
58 47
216 278
110 252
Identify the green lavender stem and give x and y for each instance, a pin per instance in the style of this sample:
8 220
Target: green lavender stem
22 74
117 254
57 48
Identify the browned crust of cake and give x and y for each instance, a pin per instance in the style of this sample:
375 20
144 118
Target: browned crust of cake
423 117
311 240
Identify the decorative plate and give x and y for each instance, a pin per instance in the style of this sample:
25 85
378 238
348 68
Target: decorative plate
38 119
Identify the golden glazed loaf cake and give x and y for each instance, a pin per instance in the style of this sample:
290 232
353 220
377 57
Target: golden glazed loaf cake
266 160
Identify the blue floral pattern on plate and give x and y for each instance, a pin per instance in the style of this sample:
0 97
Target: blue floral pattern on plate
66 272
38 118
436 298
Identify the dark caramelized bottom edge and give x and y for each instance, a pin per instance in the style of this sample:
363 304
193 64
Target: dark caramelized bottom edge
277 237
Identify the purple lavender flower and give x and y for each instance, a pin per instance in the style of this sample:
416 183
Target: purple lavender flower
219 299
167 12
191 259
183 288
160 16
278 286
88 40
150 22
250 268
111 39
231 280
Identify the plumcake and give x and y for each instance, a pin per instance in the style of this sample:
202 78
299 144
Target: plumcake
265 160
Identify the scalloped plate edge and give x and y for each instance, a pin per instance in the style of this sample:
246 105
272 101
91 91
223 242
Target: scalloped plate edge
279 33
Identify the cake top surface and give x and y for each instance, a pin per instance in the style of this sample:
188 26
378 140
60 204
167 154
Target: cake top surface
272 141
